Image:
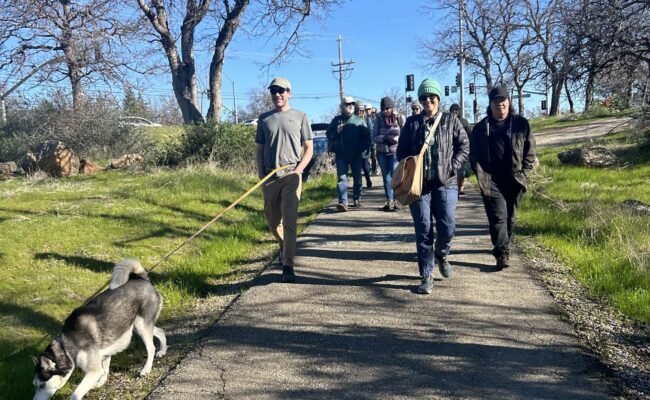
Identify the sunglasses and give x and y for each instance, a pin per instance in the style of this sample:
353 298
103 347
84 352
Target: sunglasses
349 104
427 97
276 90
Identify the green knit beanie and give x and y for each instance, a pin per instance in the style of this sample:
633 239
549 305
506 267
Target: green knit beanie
429 86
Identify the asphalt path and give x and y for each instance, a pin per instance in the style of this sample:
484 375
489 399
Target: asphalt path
352 326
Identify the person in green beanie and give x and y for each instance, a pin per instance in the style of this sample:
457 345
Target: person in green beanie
445 153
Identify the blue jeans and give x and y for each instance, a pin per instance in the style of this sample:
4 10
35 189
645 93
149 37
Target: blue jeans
387 165
439 204
342 172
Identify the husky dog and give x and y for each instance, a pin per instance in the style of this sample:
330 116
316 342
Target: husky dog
101 328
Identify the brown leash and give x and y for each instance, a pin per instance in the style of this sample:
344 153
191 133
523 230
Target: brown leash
230 207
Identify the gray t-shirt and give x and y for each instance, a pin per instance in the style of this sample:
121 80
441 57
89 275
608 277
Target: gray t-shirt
282 134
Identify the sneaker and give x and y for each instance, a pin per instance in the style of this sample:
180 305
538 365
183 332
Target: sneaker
503 262
357 203
396 205
387 206
288 276
445 268
342 207
427 285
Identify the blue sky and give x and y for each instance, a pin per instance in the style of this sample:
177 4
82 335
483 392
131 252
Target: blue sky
381 36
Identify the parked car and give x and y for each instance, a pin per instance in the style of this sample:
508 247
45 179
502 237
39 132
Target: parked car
136 121
250 122
320 145
320 139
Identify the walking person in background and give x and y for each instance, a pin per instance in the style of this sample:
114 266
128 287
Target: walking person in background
463 171
350 138
446 151
416 108
370 122
385 135
281 135
502 156
365 155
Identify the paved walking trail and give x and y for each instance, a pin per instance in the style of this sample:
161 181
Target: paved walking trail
353 328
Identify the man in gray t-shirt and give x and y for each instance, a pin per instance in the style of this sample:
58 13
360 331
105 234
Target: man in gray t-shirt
282 134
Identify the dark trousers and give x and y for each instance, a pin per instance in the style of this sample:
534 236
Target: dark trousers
501 209
365 165
436 204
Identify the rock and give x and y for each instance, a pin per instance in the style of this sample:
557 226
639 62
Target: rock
595 156
55 159
126 161
29 164
88 167
7 170
636 207
320 164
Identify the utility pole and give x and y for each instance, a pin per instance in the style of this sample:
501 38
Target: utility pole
461 56
343 66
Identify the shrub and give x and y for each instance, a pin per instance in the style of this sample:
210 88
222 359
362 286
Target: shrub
226 145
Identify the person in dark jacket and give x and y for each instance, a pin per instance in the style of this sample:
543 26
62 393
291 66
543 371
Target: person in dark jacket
502 156
385 135
463 171
365 162
445 153
349 138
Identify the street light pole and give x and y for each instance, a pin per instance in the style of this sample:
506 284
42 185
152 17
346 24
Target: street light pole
461 57
234 98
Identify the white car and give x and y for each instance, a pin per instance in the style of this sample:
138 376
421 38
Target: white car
250 122
137 121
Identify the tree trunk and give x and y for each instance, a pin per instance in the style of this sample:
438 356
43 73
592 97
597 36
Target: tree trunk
227 31
556 91
216 70
589 89
568 97
70 52
184 84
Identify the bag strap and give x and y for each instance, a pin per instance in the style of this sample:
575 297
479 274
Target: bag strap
430 135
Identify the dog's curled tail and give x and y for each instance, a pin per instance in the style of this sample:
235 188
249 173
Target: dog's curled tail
123 269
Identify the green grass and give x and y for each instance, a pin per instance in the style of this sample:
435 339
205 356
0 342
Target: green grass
59 239
576 212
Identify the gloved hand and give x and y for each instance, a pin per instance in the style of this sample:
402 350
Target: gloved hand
390 140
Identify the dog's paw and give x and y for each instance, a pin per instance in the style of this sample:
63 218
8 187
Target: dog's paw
161 353
145 371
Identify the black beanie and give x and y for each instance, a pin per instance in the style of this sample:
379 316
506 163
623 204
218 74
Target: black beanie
387 102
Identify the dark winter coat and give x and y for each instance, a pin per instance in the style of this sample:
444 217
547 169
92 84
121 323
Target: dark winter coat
523 152
353 140
451 142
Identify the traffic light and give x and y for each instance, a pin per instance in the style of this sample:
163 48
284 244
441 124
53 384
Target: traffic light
471 88
410 83
543 105
409 99
446 90
457 79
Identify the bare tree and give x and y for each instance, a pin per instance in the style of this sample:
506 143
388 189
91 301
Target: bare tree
259 101
545 21
516 41
182 64
72 40
278 20
478 18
